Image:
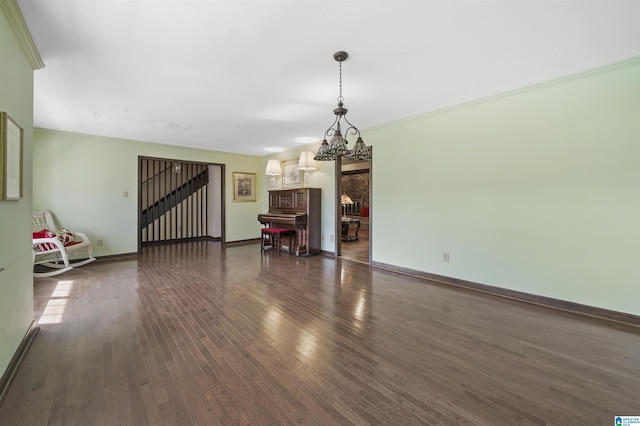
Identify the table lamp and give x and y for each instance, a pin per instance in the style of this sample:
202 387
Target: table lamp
273 170
344 200
306 163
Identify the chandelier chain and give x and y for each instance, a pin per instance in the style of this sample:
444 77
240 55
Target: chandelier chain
340 98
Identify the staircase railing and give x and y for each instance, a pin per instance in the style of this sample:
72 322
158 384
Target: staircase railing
176 199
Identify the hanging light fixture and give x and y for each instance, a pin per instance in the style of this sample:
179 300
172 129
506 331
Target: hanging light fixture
338 144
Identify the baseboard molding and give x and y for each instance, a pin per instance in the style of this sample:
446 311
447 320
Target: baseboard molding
180 240
116 257
16 360
242 242
615 317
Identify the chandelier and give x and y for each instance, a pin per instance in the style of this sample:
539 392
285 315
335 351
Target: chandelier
329 151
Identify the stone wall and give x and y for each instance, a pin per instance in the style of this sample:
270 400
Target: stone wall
356 186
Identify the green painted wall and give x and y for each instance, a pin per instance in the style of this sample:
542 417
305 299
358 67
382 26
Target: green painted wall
16 282
537 190
82 180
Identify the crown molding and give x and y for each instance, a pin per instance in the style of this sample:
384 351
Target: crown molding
15 18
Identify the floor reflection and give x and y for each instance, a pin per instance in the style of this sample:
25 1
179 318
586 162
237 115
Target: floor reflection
357 250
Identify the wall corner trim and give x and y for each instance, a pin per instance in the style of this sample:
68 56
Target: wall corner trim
16 360
15 18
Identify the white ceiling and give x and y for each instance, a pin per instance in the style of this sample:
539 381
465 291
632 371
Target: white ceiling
240 76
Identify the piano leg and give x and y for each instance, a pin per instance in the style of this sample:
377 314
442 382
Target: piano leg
298 240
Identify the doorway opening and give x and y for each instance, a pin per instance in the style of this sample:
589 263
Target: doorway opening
354 199
179 201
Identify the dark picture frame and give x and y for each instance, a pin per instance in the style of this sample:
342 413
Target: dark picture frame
244 187
11 158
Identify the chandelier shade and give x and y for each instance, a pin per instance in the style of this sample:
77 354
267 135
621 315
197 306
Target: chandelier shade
323 152
360 151
337 145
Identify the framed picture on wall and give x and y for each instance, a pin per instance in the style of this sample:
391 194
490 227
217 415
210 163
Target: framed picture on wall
11 148
291 174
244 187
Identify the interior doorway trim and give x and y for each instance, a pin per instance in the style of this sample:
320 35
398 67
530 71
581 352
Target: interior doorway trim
208 188
338 216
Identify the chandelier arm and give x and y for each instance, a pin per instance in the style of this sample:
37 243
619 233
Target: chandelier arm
354 130
330 131
351 130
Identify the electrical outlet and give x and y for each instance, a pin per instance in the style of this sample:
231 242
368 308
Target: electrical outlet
445 257
331 238
125 194
100 243
322 237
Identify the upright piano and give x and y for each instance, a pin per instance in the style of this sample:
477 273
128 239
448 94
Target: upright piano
297 209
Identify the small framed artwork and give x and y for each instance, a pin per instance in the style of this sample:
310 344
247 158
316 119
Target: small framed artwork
11 153
244 187
291 174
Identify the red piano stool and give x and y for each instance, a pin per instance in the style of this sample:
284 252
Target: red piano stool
274 236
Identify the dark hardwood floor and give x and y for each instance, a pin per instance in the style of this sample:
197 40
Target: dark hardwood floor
359 249
192 334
